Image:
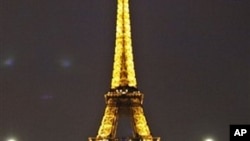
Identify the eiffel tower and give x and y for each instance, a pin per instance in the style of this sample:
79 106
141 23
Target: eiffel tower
123 98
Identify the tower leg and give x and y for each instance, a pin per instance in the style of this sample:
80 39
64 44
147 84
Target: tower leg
140 122
107 128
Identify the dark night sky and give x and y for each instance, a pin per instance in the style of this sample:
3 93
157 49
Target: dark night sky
192 64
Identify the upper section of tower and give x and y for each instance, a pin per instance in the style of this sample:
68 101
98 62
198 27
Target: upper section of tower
123 67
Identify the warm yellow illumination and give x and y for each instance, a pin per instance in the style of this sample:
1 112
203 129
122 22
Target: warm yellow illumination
108 121
123 75
140 122
123 67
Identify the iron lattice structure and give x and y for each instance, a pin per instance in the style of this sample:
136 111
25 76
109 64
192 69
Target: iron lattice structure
124 97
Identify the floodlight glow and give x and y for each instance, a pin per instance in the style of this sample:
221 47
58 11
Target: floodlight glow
209 139
11 140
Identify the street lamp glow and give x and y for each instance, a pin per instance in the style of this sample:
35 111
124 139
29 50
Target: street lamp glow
209 139
11 140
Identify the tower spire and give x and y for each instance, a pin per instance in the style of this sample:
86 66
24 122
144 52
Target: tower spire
123 67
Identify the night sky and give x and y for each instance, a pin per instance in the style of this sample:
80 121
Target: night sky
191 60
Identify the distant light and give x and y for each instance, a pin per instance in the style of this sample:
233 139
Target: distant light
8 62
65 63
46 97
209 139
11 140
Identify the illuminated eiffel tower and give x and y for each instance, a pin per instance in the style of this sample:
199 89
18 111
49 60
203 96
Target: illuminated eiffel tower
123 98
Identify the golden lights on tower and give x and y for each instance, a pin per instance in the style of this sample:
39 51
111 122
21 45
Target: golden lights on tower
123 68
124 98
